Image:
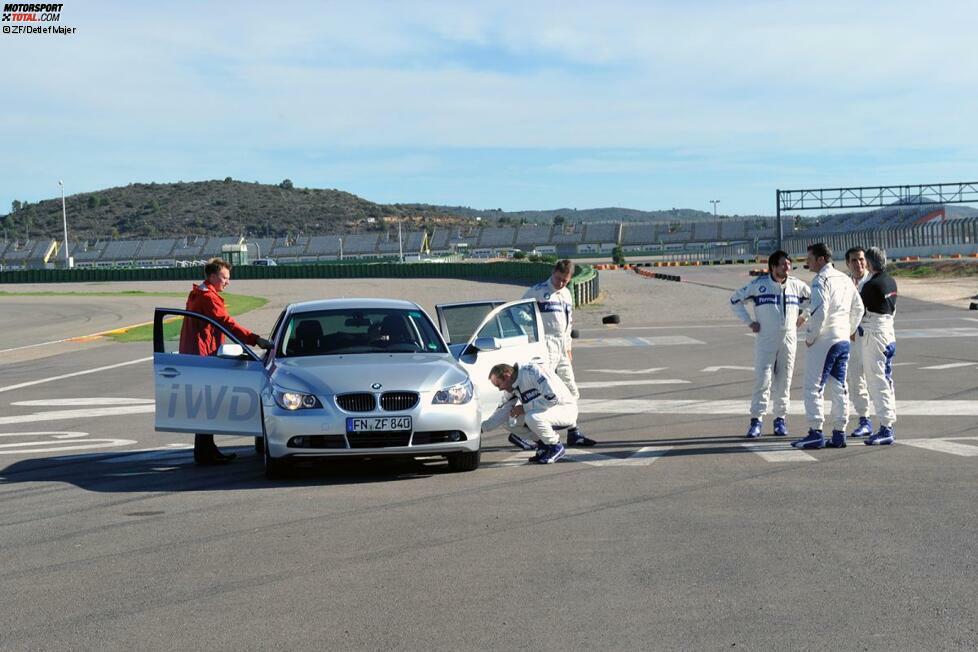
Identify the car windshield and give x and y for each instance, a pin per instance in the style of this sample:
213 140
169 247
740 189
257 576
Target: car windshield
356 330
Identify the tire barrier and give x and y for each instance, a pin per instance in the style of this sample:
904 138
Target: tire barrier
611 319
757 272
585 286
657 275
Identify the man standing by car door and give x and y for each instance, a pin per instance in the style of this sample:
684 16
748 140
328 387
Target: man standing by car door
199 337
557 309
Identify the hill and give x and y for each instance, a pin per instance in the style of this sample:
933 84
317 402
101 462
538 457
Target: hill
162 210
575 215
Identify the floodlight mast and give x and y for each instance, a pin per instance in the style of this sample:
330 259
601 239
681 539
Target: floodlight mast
64 221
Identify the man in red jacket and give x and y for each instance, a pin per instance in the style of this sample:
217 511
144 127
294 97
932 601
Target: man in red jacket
198 337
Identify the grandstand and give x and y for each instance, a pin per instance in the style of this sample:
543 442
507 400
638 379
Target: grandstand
531 236
189 248
324 246
497 237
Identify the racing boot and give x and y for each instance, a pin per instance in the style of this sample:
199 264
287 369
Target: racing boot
864 429
519 442
883 437
575 438
780 427
541 448
754 430
815 439
838 439
551 453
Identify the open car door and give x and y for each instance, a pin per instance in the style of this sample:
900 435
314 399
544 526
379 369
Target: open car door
219 394
507 332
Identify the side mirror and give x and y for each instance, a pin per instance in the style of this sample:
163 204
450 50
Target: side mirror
486 344
232 351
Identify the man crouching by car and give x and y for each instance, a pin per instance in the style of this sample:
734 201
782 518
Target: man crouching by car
198 337
535 402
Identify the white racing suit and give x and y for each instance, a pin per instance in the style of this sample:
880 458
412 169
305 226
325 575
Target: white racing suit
546 403
776 309
557 309
855 380
879 344
834 313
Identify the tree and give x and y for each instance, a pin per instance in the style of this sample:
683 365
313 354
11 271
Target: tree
15 206
286 184
558 220
618 256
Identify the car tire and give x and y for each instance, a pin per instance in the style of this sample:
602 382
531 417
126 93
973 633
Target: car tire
260 445
464 461
611 319
275 468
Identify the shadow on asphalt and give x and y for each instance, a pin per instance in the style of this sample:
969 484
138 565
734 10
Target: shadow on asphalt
175 471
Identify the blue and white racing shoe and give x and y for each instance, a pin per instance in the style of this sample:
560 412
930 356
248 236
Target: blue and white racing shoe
838 439
883 437
864 429
519 442
754 429
780 427
551 454
576 438
814 439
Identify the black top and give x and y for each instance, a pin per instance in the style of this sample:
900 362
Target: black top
879 294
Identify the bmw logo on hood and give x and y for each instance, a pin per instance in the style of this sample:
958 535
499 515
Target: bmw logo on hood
376 386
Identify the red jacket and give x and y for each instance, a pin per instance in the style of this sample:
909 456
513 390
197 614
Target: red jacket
199 337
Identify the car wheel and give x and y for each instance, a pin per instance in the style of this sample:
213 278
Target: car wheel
274 467
260 445
464 461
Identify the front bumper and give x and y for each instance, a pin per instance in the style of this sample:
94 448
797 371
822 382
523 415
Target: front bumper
324 431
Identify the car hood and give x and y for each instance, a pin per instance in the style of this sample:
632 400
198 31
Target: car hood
339 374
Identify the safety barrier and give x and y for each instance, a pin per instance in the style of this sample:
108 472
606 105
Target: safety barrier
662 277
584 283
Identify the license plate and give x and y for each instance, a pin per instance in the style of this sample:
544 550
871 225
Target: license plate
375 424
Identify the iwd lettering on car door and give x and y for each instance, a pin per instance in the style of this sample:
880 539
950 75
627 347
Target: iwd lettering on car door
243 405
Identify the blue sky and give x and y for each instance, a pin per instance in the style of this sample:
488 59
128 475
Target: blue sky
529 105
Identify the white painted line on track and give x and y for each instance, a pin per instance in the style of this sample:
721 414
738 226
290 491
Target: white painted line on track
168 454
597 384
936 332
650 370
662 340
710 370
781 452
642 457
944 445
74 445
742 407
57 415
950 365
72 402
72 375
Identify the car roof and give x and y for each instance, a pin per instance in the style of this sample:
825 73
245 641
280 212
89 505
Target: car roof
352 303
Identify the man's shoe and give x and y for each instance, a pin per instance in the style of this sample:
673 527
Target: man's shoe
551 454
813 440
540 449
838 439
780 427
883 437
212 458
575 438
864 429
519 442
754 430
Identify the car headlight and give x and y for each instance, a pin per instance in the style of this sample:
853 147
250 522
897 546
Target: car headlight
289 400
454 395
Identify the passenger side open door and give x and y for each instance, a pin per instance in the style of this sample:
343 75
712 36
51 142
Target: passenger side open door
507 332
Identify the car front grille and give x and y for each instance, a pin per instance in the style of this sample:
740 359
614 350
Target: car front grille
358 402
379 439
398 401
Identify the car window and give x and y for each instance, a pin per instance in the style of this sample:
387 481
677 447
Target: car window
462 320
351 331
515 321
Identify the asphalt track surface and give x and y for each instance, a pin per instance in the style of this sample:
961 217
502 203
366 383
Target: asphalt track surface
671 534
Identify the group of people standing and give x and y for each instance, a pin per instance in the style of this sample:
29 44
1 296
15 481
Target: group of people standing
847 323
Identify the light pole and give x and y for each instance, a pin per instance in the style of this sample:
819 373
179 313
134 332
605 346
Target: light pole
341 248
64 221
715 219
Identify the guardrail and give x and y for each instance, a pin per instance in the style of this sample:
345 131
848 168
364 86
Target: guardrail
584 285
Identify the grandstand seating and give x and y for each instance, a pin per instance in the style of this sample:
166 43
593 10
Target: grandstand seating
598 233
156 249
360 243
324 245
439 240
497 237
634 234
566 235
531 235
189 248
285 247
86 252
121 250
